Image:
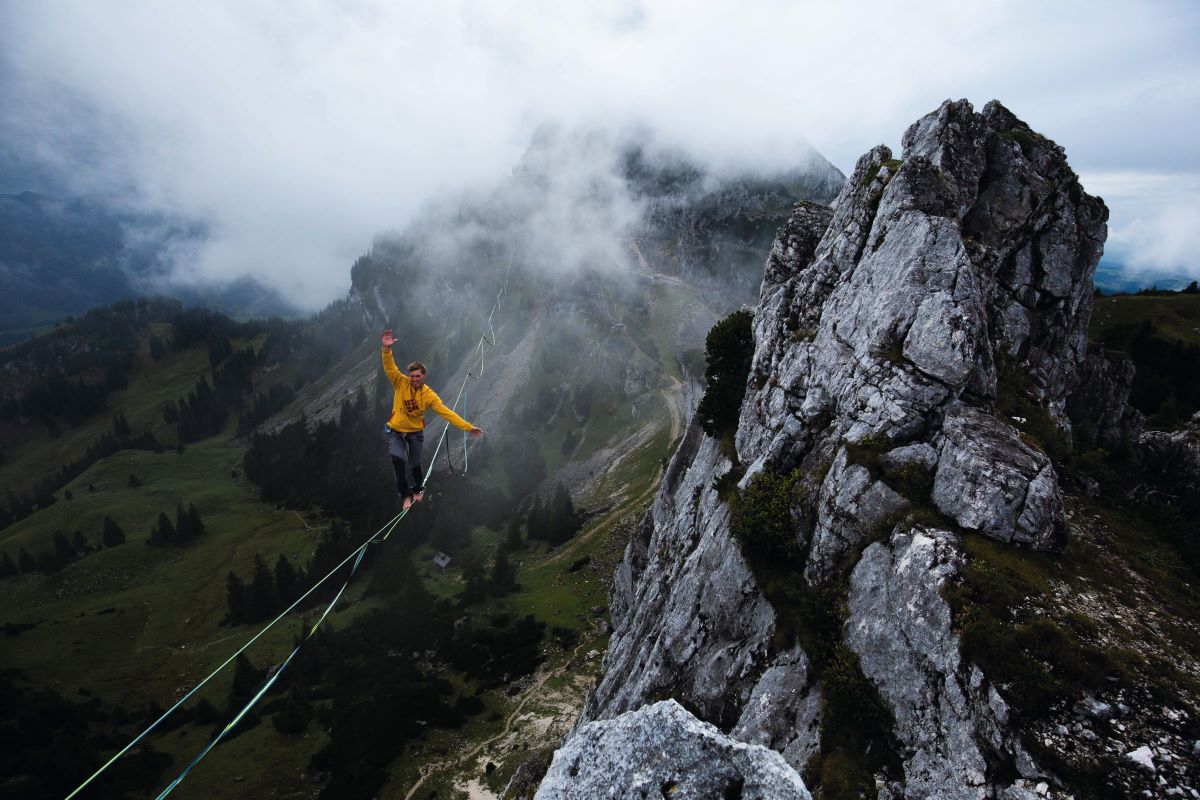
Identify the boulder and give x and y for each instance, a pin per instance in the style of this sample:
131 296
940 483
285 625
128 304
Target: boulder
663 751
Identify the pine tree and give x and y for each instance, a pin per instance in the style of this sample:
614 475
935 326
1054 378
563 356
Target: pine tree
25 561
512 538
170 412
205 713
286 580
262 592
121 426
729 350
163 532
113 535
197 524
563 522
8 567
79 543
539 522
504 576
134 482
296 714
64 553
246 680
476 588
47 564
235 599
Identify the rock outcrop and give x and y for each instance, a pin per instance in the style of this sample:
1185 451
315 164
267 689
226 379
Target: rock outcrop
1174 456
663 751
891 328
944 710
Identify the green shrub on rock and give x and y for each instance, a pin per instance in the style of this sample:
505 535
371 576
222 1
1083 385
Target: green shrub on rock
729 349
761 518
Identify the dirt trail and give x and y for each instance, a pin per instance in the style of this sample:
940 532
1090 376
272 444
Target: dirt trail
530 693
672 398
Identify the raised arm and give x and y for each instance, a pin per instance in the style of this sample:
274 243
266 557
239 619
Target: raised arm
389 363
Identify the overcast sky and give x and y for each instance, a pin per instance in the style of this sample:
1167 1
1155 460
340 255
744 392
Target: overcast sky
299 130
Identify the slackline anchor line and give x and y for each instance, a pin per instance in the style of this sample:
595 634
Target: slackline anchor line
356 555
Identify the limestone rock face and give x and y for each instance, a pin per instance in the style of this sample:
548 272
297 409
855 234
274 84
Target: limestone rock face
977 245
688 620
784 711
663 751
989 480
900 627
1099 405
887 325
1175 456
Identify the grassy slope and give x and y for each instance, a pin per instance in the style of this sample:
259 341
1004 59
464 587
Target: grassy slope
152 385
1177 316
135 625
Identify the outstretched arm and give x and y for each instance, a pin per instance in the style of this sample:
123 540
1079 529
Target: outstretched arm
446 413
389 363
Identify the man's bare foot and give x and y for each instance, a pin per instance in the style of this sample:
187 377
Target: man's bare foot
408 503
418 497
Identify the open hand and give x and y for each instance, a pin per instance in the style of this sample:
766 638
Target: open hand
476 432
387 339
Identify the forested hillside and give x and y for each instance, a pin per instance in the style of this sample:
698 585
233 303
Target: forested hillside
174 479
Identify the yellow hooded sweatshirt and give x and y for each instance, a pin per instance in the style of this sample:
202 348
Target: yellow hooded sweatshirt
409 406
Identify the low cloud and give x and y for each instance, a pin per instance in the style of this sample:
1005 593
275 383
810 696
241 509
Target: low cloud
296 134
1154 225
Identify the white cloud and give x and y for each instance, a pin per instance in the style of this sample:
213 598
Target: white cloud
299 130
1154 225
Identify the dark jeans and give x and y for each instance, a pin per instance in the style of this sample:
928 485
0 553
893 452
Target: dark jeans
405 450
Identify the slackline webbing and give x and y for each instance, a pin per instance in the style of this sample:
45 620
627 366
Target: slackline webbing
485 341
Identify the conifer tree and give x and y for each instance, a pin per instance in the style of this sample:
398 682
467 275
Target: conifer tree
197 524
246 680
539 522
262 591
504 575
112 535
512 537
163 532
286 580
235 599
63 551
47 563
205 713
563 523
25 561
79 543
8 567
476 584
297 712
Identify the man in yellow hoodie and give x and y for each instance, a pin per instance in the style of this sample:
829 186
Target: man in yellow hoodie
405 429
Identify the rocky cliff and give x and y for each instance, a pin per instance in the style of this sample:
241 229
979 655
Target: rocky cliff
920 347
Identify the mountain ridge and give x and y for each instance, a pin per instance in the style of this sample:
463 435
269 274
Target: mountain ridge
916 353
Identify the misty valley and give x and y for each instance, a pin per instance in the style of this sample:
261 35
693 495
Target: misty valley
791 484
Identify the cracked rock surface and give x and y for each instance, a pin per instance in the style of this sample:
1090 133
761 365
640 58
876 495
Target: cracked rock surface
885 325
900 627
663 751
